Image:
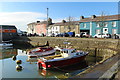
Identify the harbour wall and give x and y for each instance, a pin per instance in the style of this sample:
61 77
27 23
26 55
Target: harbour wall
78 43
97 47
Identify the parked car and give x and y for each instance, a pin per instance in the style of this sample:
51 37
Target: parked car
71 34
101 36
77 35
59 35
84 35
49 35
115 36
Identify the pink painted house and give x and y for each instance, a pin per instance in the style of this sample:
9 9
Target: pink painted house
41 28
37 27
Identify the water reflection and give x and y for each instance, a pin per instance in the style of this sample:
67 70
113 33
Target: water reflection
32 60
19 68
7 53
29 68
63 72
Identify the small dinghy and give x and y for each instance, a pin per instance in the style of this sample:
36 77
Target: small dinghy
41 51
5 44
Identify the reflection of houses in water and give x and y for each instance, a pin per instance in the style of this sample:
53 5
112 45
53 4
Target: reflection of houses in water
7 53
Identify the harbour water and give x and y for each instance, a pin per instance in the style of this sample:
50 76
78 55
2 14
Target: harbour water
30 68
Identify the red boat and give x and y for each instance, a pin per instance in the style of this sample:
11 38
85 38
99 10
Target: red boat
65 58
41 51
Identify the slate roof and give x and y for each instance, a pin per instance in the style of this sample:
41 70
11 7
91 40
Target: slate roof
98 18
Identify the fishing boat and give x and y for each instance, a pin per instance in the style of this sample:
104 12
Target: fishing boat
67 56
41 51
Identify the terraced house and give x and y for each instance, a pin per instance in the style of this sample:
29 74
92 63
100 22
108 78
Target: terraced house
100 25
38 27
64 27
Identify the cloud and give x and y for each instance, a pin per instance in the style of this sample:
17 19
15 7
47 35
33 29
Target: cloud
20 19
57 20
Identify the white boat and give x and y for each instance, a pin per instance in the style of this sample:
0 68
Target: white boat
41 51
5 44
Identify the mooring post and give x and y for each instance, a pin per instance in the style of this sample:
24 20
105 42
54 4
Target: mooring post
95 54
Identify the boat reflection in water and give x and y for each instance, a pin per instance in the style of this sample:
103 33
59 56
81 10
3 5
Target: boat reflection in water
64 72
32 59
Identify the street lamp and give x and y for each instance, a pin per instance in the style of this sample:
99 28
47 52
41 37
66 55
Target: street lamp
47 22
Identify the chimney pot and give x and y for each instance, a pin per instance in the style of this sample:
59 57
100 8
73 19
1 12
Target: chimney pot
93 16
81 17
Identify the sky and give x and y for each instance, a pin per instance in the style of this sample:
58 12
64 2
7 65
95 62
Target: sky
22 13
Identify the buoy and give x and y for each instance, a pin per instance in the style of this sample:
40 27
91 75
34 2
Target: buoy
19 68
18 61
67 74
14 58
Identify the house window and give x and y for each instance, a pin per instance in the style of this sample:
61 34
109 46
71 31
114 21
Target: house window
84 25
114 24
98 31
114 31
106 24
53 28
98 25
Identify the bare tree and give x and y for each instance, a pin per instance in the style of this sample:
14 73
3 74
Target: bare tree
71 23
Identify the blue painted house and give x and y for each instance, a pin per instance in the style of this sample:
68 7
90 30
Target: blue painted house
100 24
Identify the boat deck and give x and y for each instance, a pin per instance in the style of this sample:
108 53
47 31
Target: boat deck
53 57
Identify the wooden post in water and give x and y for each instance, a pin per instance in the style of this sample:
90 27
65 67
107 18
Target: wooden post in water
95 55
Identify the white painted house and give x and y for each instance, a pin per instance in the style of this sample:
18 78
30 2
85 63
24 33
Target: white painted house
53 29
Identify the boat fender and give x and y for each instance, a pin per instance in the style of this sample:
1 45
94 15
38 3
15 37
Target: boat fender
67 74
19 68
14 58
18 61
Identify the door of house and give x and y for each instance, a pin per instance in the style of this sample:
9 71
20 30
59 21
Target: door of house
105 30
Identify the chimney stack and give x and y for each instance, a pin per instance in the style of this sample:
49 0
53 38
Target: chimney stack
38 21
49 21
81 17
63 21
93 16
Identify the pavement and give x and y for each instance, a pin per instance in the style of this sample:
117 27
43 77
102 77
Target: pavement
117 75
104 70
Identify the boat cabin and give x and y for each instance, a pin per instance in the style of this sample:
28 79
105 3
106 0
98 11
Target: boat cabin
65 53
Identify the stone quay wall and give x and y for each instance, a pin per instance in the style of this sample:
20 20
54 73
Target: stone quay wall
107 46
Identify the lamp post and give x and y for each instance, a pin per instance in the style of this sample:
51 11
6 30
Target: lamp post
1 34
47 22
